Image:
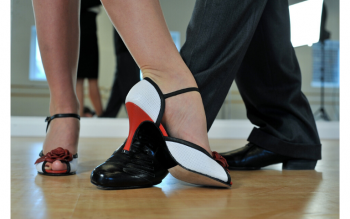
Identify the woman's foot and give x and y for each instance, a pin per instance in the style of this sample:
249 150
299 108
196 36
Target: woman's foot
184 115
185 121
62 132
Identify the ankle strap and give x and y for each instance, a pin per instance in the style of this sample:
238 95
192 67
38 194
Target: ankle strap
180 92
50 118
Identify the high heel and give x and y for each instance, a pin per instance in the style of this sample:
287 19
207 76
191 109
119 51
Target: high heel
186 161
57 154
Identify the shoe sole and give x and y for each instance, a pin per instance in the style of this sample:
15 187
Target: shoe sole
57 174
190 177
244 168
287 165
122 188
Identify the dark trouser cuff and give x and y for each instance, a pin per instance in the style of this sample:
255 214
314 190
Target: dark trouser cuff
295 150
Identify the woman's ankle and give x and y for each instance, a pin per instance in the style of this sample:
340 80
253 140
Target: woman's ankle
170 81
64 107
62 132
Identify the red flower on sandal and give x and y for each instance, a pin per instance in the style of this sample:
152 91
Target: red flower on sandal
56 154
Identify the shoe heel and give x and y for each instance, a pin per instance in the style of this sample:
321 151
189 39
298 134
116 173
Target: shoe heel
143 103
136 117
299 164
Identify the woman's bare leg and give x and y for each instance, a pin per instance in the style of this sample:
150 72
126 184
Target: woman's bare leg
95 97
80 94
57 24
143 29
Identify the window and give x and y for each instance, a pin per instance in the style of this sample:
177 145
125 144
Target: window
36 69
331 64
176 38
305 21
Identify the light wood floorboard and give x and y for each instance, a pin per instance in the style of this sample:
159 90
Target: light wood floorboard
267 193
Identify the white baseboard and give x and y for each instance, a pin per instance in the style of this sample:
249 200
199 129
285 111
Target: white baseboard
22 126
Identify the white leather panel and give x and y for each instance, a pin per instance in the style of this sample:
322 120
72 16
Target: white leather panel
145 96
196 160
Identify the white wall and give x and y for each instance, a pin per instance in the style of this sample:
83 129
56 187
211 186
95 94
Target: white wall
30 98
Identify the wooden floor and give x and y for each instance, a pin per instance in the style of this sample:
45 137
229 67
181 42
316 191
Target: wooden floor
267 193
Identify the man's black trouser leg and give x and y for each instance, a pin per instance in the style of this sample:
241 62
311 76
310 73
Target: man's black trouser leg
250 41
126 76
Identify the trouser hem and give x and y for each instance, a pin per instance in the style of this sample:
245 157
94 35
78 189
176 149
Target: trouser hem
278 146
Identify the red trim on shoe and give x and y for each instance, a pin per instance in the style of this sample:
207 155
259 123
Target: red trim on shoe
162 129
221 160
56 171
136 117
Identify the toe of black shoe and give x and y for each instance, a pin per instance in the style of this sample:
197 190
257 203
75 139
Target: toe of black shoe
107 176
118 180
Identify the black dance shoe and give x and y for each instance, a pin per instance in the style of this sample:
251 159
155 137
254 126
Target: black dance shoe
252 157
136 169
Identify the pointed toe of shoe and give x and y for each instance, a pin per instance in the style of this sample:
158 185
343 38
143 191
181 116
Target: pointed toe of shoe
137 169
252 157
101 175
109 176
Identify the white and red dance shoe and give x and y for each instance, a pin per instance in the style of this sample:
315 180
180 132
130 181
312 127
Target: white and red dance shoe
186 161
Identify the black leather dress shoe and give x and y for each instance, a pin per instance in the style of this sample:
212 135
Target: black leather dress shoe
137 169
252 157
